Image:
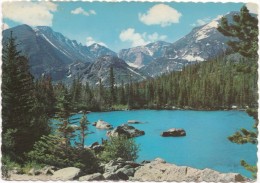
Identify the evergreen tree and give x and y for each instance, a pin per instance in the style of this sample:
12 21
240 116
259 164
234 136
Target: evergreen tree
63 108
83 127
17 102
112 86
245 29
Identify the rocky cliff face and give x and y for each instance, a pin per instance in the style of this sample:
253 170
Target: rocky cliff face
100 69
142 55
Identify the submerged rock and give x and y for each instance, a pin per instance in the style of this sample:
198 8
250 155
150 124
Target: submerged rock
128 131
174 132
134 122
103 125
159 170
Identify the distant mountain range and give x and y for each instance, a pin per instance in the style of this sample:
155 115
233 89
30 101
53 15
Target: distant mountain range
50 52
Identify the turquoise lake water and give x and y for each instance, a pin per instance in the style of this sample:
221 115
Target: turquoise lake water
205 146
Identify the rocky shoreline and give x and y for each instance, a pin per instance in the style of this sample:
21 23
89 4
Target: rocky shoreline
156 170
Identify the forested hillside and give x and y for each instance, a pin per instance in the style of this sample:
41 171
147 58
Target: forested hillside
216 84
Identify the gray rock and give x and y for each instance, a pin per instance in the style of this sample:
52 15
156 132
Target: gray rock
160 160
93 144
69 173
174 132
47 170
103 125
98 148
122 176
127 170
127 166
128 131
110 176
91 177
159 170
31 171
16 170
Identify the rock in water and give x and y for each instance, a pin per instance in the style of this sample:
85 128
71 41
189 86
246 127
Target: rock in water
103 125
128 131
134 122
66 174
174 132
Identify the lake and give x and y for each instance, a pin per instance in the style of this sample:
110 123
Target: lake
205 146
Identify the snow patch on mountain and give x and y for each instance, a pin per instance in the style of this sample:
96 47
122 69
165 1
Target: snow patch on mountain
206 30
191 58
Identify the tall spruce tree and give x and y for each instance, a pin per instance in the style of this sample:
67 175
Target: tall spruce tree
83 127
63 109
17 102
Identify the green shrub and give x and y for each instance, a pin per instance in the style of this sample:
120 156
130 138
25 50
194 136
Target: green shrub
29 165
8 165
121 147
51 150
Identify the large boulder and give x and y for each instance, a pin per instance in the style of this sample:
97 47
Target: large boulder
174 132
159 170
126 130
110 176
91 177
65 174
103 125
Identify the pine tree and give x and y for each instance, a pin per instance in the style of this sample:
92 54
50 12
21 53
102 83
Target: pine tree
245 29
63 108
112 86
17 101
83 127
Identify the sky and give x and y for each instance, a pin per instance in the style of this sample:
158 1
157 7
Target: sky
117 25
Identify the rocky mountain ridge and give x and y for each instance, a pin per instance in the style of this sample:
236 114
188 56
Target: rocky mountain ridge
51 53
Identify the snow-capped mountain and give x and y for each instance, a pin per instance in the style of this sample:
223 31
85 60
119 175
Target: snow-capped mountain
50 52
142 55
100 69
97 50
202 43
67 47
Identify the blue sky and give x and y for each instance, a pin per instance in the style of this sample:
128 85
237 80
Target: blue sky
116 25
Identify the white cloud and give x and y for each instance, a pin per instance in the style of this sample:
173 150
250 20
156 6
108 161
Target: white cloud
252 7
5 26
155 37
31 13
138 39
90 41
160 14
80 10
200 22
